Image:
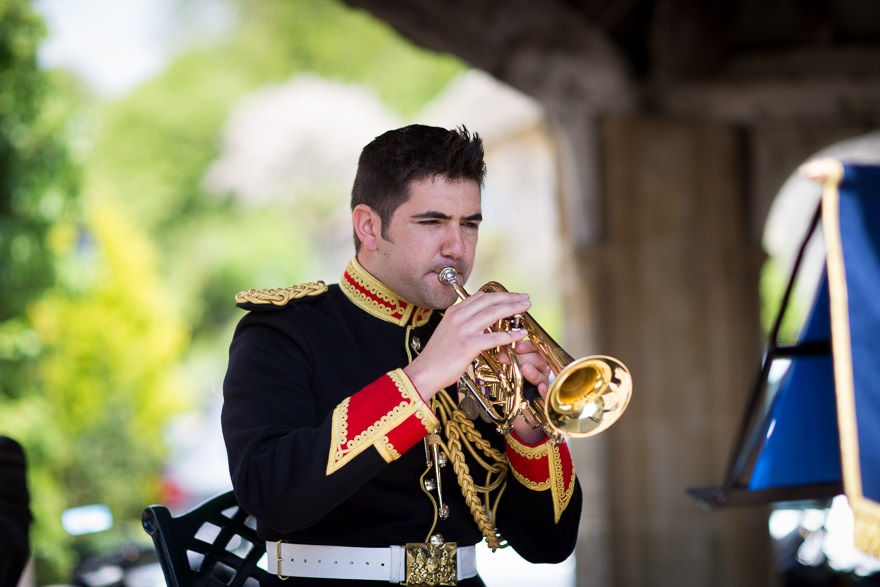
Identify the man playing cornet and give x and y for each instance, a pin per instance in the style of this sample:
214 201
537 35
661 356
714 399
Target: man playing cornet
341 411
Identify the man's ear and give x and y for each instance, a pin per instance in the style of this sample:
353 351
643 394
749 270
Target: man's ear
367 226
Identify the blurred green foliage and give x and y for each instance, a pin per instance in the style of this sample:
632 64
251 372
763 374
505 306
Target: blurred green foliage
275 39
156 144
772 285
108 380
119 269
38 197
37 188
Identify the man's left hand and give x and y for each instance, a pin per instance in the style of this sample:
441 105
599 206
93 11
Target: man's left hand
536 371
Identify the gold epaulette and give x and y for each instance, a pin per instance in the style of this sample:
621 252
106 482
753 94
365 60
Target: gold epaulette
281 296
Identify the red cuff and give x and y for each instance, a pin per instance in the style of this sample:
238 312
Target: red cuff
388 414
543 466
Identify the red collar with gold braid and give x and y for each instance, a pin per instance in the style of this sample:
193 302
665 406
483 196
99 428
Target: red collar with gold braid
375 298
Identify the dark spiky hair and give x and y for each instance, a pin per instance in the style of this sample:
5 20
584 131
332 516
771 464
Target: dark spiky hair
394 159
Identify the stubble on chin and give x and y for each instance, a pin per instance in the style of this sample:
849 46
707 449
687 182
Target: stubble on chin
445 296
441 298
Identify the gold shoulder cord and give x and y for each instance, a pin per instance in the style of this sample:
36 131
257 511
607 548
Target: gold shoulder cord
460 431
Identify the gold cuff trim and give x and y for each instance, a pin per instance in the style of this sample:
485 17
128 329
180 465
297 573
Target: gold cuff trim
560 481
424 412
534 453
343 449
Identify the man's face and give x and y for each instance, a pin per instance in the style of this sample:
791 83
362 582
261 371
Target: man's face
435 228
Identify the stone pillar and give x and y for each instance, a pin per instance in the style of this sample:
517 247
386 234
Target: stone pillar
574 132
665 277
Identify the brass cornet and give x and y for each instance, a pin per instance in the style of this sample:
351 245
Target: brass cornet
585 396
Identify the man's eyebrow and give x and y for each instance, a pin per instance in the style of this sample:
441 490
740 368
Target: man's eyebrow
433 214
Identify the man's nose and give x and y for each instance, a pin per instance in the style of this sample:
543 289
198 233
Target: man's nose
453 244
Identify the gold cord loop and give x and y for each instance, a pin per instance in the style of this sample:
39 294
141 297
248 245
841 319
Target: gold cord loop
461 432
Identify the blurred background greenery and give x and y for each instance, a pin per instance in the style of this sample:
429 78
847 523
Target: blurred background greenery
120 254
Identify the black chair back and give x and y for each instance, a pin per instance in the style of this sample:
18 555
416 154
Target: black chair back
211 545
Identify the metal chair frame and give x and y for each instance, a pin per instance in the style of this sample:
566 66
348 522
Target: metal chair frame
211 545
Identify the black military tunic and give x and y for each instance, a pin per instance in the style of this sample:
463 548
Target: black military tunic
324 432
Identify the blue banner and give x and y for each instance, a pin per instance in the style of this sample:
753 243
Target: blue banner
851 225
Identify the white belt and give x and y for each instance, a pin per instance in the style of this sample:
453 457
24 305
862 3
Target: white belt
352 562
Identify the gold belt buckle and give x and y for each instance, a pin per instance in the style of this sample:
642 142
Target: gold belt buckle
431 564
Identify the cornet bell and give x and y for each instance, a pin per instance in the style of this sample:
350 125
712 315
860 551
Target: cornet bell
585 396
588 396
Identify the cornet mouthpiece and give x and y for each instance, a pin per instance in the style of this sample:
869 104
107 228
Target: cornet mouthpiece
447 275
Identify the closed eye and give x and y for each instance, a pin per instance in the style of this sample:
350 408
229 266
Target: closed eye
432 218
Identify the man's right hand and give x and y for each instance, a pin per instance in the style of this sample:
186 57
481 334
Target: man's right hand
461 335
